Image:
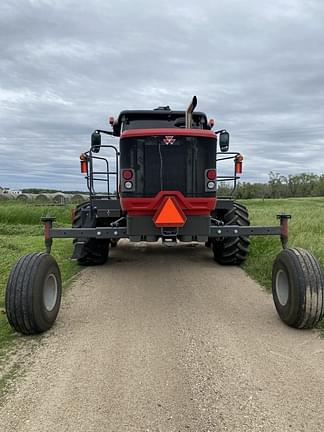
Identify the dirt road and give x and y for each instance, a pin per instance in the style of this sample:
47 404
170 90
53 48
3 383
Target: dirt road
163 339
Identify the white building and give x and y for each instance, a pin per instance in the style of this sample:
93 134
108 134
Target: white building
10 193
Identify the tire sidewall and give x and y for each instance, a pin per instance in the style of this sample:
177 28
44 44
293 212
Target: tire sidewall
44 318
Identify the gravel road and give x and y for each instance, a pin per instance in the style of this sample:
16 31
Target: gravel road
163 339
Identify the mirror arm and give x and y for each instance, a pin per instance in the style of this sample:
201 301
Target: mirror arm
104 132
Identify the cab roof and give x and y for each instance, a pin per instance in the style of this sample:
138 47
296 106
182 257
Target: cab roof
162 117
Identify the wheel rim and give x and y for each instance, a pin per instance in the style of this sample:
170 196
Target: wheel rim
50 292
282 287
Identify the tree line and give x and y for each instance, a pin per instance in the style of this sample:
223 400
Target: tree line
50 191
278 186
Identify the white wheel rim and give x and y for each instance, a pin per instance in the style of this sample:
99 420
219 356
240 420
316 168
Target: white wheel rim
50 292
282 287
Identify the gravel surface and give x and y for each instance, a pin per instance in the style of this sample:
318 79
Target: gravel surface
163 339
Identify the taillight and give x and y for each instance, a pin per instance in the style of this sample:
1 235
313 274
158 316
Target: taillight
210 180
83 163
211 174
127 174
84 167
127 181
238 164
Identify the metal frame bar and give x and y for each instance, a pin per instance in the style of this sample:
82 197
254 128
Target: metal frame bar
99 232
90 177
121 232
237 230
234 177
215 232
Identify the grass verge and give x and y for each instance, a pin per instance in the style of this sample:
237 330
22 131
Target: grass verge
306 230
21 233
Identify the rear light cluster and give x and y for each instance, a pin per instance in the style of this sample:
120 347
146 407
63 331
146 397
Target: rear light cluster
238 164
127 174
211 174
83 163
210 180
127 180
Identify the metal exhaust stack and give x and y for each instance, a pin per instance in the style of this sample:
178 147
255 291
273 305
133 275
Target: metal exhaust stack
189 112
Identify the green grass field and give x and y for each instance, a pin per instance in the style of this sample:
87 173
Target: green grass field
21 232
306 230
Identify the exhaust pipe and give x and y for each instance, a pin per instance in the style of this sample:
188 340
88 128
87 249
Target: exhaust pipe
189 112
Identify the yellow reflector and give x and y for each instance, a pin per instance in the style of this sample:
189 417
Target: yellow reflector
169 215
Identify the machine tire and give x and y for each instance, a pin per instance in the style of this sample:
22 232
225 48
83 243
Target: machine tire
298 288
76 218
96 251
113 243
233 250
33 293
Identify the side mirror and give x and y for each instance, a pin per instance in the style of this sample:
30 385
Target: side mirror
223 141
95 142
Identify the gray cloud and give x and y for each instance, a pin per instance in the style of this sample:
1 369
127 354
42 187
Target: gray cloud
65 66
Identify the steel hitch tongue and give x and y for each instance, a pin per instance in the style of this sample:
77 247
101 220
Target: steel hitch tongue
48 224
283 217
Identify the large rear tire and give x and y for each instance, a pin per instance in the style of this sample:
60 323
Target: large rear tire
233 250
298 288
33 293
94 251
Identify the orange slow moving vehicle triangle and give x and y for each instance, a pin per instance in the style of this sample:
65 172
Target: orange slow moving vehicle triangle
169 215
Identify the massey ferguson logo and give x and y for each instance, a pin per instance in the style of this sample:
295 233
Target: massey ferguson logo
168 140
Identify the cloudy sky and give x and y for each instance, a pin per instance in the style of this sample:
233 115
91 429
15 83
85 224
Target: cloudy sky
66 65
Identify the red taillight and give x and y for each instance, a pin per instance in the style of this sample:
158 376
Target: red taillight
238 164
84 166
211 174
127 174
238 167
83 163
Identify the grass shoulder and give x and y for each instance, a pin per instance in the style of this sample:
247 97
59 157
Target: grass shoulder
21 233
306 230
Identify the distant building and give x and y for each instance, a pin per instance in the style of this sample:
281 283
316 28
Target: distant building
9 193
15 192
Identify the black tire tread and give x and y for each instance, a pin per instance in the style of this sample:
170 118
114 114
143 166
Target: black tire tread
19 294
309 289
97 251
17 300
314 283
233 250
